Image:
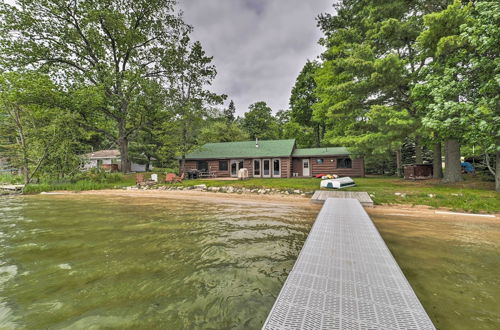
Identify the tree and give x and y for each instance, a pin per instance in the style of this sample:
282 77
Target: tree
188 100
229 112
461 44
115 46
42 135
303 98
260 123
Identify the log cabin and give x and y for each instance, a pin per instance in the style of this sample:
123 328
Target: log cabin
272 159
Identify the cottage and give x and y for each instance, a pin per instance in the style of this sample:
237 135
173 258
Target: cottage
109 159
272 159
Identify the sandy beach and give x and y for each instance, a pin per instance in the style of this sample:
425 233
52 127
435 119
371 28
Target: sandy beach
418 211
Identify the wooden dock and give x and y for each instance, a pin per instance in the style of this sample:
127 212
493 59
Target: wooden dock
345 277
320 196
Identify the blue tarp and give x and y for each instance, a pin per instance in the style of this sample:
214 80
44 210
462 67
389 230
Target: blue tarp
468 168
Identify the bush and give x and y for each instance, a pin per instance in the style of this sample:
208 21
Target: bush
6 177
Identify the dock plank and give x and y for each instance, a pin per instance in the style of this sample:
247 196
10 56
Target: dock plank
345 277
320 196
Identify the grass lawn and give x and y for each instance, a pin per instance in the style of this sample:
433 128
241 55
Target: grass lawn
472 195
79 185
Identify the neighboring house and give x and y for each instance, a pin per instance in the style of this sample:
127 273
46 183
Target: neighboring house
273 158
99 158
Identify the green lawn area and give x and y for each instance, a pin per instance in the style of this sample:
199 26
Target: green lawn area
472 195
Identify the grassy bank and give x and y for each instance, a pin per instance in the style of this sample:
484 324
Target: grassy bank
472 195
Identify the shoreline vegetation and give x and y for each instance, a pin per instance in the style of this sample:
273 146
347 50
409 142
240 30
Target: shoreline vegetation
471 195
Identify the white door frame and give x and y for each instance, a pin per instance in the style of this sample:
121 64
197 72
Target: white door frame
237 162
260 168
270 168
304 160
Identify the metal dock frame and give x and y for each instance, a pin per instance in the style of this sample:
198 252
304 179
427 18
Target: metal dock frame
345 277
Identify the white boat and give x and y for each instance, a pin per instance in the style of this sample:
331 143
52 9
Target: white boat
337 183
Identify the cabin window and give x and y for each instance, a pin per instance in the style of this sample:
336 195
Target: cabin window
344 163
202 165
256 167
223 166
320 161
276 167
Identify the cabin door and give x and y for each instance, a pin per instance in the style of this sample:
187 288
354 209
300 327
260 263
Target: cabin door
236 165
266 168
306 168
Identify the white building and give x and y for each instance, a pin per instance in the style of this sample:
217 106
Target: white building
99 158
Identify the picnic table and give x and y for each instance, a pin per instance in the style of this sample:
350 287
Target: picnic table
207 174
197 174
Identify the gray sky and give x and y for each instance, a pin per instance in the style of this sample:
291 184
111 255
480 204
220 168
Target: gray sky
259 46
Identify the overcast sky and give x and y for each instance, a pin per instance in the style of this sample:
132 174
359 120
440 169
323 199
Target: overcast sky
259 46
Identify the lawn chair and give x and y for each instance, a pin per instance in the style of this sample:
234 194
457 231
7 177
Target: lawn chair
139 178
170 178
179 178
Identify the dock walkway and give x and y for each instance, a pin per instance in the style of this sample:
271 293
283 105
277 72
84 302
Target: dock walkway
320 196
345 277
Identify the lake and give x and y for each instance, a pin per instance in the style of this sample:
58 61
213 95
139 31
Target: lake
92 262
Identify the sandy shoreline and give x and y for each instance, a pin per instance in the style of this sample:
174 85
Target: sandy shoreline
420 211
299 201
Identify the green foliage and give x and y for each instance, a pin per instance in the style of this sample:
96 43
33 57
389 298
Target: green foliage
222 131
112 50
40 135
302 99
230 112
260 123
10 178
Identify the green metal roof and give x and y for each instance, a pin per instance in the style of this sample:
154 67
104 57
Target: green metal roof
244 149
326 151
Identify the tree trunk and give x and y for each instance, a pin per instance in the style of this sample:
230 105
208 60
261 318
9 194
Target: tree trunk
317 134
398 162
419 157
183 164
24 147
497 171
437 161
123 145
453 168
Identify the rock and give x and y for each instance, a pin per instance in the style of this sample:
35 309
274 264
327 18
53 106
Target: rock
200 186
397 193
286 192
230 190
297 191
431 195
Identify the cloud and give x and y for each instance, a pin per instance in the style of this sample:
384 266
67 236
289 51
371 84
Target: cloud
259 46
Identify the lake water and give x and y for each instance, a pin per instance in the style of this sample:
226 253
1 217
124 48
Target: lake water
93 262
453 266
129 263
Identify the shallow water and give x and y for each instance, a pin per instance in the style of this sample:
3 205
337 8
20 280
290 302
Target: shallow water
93 262
453 266
116 262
